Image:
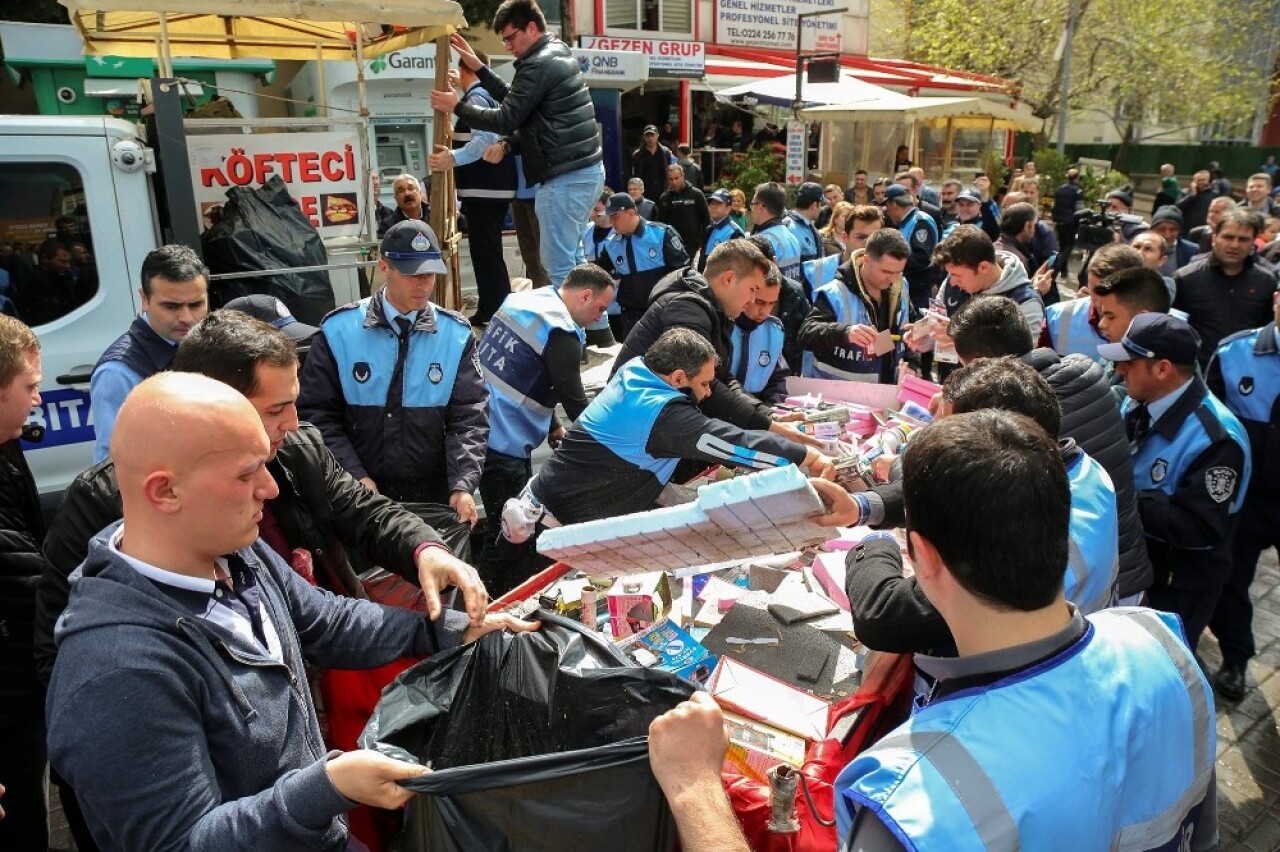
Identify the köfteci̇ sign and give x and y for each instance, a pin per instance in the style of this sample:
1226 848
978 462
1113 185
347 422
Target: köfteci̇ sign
322 172
667 58
772 23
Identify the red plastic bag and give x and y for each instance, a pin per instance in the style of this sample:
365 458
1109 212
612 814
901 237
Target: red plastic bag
881 703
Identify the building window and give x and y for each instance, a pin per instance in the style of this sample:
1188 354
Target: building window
659 16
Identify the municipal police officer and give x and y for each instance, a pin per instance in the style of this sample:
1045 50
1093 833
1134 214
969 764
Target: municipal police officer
625 447
767 208
1245 375
922 236
638 253
757 338
530 357
952 777
722 227
802 217
598 228
1190 464
393 383
844 336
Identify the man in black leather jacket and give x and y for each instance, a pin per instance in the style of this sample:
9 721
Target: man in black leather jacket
549 106
321 512
22 731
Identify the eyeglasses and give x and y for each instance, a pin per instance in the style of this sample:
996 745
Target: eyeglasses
510 37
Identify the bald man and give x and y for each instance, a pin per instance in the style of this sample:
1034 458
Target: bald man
178 709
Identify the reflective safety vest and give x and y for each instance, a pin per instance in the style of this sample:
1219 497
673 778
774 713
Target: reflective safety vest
806 235
1161 464
1093 561
760 349
786 248
1109 744
591 249
622 417
639 260
1070 330
367 362
819 272
718 232
847 361
521 398
1250 365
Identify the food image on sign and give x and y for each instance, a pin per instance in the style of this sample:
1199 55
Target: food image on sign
340 209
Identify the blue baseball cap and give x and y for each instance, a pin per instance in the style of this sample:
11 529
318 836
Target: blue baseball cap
1153 335
412 248
618 202
721 195
900 195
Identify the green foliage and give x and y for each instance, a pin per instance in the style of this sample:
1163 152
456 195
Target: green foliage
33 11
757 166
1052 167
1096 186
1170 66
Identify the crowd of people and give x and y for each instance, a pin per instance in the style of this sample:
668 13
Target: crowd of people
1094 492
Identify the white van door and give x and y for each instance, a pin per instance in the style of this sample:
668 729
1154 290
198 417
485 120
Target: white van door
72 268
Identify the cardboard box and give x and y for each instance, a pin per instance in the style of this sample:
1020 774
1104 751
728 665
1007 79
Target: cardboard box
637 602
675 650
754 694
755 748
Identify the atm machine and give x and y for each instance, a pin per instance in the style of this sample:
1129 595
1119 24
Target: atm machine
399 146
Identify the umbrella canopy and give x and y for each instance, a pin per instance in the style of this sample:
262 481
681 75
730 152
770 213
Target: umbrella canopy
903 108
273 29
781 92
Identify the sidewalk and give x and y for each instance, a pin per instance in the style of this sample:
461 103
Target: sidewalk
1249 732
1248 736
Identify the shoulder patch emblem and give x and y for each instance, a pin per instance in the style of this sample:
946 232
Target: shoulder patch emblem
764 358
361 371
435 373
675 239
1220 482
653 252
1159 470
922 235
1246 385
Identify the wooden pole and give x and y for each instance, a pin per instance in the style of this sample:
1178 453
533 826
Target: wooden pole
444 205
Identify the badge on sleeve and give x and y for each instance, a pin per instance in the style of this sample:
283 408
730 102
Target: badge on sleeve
922 235
1220 482
361 372
1159 470
653 252
764 358
1246 385
435 373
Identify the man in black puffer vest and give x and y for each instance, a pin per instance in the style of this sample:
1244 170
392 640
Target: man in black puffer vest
174 297
548 103
991 328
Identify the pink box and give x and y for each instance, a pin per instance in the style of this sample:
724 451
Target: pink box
917 390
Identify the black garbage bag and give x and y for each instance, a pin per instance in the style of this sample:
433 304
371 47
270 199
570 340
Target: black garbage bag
537 742
263 228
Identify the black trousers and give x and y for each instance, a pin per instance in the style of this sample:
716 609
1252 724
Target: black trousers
1066 243
1194 606
503 478
1232 621
484 234
22 761
529 235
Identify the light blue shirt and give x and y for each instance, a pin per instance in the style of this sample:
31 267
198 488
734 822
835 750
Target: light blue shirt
108 386
1156 410
389 311
480 139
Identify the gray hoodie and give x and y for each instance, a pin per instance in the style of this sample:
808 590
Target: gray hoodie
178 734
1013 283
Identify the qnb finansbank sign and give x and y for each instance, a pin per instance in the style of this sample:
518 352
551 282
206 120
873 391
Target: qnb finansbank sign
772 23
686 60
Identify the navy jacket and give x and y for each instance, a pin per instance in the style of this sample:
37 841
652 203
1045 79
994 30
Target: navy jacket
639 260
413 417
177 734
1245 375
